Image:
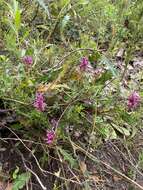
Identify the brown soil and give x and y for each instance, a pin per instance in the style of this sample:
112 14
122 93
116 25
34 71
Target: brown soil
115 153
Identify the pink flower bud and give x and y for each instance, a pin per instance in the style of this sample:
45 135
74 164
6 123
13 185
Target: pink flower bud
39 103
28 60
84 64
50 137
133 100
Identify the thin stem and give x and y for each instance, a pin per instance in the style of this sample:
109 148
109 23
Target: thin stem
95 159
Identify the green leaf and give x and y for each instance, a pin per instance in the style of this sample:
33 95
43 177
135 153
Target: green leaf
105 76
63 2
44 6
21 180
108 132
95 56
65 21
15 173
16 126
17 19
16 14
109 65
67 157
83 2
15 5
122 130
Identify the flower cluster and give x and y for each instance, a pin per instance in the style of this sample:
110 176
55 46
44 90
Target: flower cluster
50 137
28 60
84 64
39 103
133 100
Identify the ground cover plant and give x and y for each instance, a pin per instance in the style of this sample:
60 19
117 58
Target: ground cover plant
71 94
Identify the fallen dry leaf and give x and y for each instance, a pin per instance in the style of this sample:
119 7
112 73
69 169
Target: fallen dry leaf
83 167
97 179
50 87
5 186
116 178
9 186
1 185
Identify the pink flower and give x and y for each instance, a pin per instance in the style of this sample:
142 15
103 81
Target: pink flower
39 103
84 64
133 100
28 60
50 137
